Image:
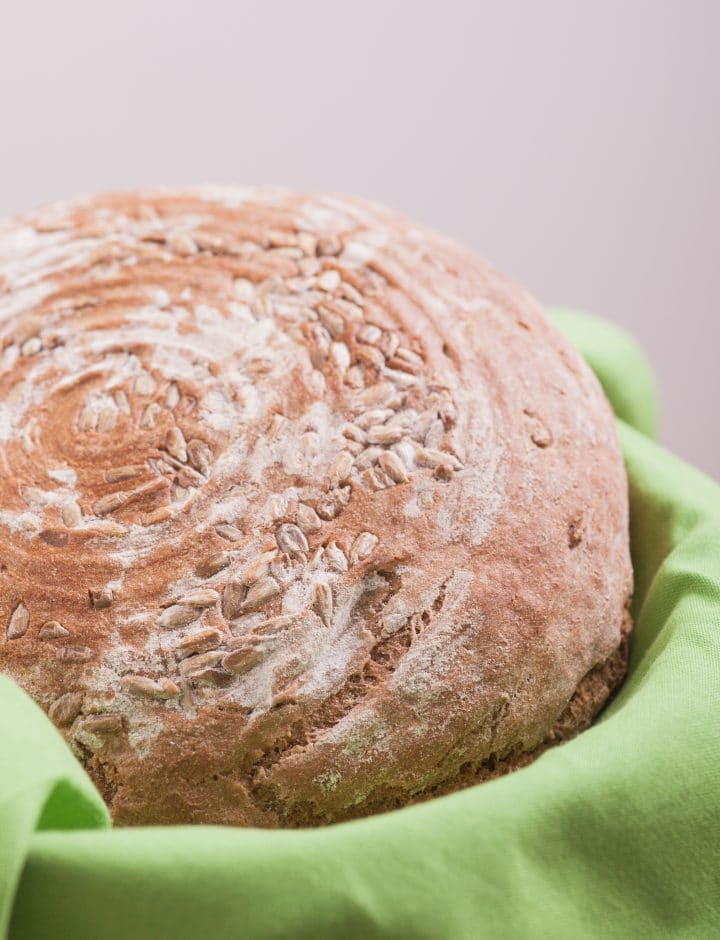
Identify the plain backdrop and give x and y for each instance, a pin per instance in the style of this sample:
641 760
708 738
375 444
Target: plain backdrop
574 143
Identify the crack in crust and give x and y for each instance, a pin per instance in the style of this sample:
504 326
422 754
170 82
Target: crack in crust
593 694
382 660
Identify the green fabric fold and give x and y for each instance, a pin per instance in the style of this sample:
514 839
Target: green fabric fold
615 834
42 788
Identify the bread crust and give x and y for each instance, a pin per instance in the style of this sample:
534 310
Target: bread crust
306 511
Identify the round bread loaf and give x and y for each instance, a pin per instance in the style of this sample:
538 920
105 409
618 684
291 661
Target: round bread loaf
305 511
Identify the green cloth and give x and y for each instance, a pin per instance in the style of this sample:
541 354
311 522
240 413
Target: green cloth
615 834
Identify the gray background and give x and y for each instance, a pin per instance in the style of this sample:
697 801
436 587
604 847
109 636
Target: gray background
575 143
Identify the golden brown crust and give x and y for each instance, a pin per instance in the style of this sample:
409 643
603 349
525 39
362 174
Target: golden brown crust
306 511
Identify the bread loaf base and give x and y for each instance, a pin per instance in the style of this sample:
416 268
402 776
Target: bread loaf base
594 692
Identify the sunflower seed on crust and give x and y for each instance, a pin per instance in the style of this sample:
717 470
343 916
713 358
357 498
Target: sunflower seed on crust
369 334
291 540
362 547
103 724
201 641
272 625
87 419
393 466
107 419
71 515
334 558
150 416
308 519
229 532
354 433
371 356
203 597
257 568
212 565
340 469
109 503
201 661
172 396
100 598
64 710
378 395
182 243
261 592
52 630
144 384
120 474
330 505
216 678
384 434
242 660
175 444
74 654
323 602
232 599
19 622
329 280
427 457
159 689
178 615
200 456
